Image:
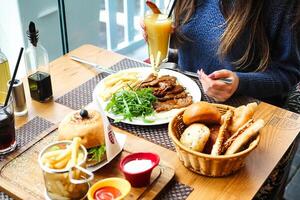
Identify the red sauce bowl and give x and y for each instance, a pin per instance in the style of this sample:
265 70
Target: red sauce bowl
139 179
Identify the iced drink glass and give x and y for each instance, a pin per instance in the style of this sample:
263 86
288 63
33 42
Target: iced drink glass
7 128
158 28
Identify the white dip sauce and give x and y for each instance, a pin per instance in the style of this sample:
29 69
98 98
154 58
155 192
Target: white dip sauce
136 166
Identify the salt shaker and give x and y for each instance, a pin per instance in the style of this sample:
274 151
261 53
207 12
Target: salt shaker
19 98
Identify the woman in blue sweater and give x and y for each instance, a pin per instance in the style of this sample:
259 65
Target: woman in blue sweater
254 42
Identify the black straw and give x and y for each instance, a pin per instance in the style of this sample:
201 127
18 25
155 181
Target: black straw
14 77
172 8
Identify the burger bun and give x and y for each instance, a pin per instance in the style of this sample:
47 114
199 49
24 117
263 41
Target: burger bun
89 129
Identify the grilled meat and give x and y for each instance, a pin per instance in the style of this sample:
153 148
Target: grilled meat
158 80
176 90
150 78
169 96
163 88
172 104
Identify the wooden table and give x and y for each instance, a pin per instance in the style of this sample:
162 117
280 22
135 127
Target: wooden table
280 131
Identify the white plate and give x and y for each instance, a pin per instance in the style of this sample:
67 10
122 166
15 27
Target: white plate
159 118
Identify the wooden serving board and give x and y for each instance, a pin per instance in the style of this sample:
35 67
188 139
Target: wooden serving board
21 175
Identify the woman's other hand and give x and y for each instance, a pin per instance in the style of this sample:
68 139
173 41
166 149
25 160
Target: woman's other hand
216 88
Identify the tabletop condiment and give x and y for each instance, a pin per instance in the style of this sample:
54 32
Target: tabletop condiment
37 67
137 166
107 193
19 98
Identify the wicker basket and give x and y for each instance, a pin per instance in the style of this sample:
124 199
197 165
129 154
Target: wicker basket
205 164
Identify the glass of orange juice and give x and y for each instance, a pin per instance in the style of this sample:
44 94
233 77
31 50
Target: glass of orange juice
158 28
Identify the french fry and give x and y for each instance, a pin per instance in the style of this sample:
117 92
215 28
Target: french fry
110 81
58 185
135 83
62 163
57 196
115 82
64 154
61 188
53 153
75 149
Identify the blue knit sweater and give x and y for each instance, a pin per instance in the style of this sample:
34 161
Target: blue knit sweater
205 28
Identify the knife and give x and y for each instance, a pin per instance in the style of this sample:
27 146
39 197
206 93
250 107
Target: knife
175 67
96 66
110 71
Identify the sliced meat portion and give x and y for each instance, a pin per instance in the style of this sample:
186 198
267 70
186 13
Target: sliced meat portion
150 78
158 80
176 90
163 88
168 96
171 104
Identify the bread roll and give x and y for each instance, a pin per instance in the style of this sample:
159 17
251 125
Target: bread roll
222 135
89 129
241 115
245 137
201 112
195 137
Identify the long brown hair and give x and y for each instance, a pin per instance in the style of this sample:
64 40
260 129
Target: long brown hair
238 14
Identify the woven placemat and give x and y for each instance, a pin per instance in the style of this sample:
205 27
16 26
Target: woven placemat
157 134
175 191
83 95
25 134
4 196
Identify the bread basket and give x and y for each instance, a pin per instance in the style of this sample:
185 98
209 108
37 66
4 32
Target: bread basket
205 164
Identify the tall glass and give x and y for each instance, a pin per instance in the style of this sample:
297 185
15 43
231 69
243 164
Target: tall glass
7 128
158 28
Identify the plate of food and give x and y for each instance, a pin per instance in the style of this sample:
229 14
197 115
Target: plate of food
139 97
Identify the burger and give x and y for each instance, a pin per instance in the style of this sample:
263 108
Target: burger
88 125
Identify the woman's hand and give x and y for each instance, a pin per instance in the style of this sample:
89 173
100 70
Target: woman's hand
216 88
144 32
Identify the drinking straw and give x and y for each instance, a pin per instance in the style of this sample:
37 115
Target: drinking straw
14 77
152 60
172 8
157 59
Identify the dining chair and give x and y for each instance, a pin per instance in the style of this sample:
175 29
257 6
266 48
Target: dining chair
293 100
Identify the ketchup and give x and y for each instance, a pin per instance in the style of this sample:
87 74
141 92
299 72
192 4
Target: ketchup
107 193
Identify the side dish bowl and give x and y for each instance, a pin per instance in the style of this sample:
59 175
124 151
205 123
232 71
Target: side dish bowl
119 183
140 178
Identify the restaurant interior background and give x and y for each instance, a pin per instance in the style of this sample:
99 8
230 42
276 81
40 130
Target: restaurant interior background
67 24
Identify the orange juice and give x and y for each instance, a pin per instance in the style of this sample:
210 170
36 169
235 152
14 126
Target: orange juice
158 28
